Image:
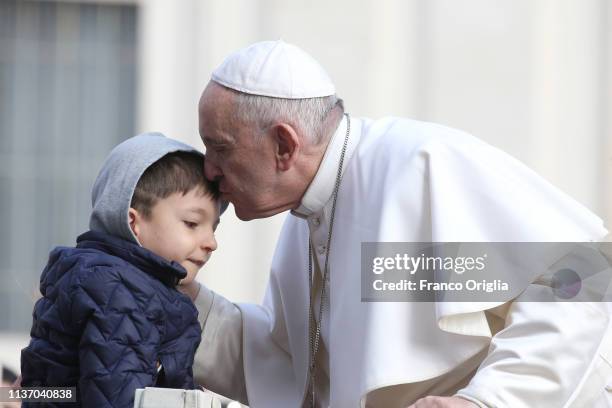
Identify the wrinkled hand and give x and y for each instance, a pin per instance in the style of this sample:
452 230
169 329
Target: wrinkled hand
443 402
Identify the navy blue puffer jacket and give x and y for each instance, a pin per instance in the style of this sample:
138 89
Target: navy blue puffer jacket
109 315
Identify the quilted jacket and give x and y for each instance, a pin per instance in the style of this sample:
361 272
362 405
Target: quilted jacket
110 321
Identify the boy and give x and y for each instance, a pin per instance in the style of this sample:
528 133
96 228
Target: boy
110 319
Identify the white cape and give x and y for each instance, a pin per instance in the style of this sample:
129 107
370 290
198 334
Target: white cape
406 181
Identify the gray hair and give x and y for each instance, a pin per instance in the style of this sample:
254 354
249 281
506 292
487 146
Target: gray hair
308 115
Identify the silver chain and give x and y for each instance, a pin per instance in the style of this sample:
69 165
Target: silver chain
315 335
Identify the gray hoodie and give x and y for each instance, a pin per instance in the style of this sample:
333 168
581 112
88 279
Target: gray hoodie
112 192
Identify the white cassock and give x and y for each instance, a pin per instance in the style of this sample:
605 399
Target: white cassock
409 181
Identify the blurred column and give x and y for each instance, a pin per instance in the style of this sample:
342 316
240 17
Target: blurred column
397 58
181 42
223 26
240 267
475 69
606 88
167 73
567 79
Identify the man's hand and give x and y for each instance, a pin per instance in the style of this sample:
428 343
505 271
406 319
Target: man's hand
191 289
443 402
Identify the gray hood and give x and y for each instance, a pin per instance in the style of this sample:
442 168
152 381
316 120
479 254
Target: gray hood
112 192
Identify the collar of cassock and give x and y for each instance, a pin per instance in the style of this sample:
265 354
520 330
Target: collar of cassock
320 190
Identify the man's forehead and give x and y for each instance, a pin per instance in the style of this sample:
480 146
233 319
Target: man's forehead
214 135
217 116
211 130
215 95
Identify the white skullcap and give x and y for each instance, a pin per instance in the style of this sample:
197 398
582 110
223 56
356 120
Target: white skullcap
276 69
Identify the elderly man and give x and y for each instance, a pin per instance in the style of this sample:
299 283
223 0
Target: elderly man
277 138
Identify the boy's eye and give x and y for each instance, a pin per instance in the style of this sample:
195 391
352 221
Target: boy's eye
190 224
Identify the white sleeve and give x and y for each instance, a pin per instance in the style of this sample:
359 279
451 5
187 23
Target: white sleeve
218 363
541 355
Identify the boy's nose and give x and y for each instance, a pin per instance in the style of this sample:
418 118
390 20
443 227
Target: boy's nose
211 171
209 243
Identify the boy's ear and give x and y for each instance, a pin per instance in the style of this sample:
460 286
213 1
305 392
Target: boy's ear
287 145
133 219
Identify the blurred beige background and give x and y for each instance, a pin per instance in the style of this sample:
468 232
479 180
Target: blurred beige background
532 77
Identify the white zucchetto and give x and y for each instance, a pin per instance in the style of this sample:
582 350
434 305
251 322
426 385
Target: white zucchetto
276 69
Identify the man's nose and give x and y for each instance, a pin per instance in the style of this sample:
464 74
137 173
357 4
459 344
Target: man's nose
211 171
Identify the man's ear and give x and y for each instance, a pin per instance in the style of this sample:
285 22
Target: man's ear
287 144
134 220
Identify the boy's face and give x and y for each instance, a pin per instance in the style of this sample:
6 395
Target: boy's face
180 228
